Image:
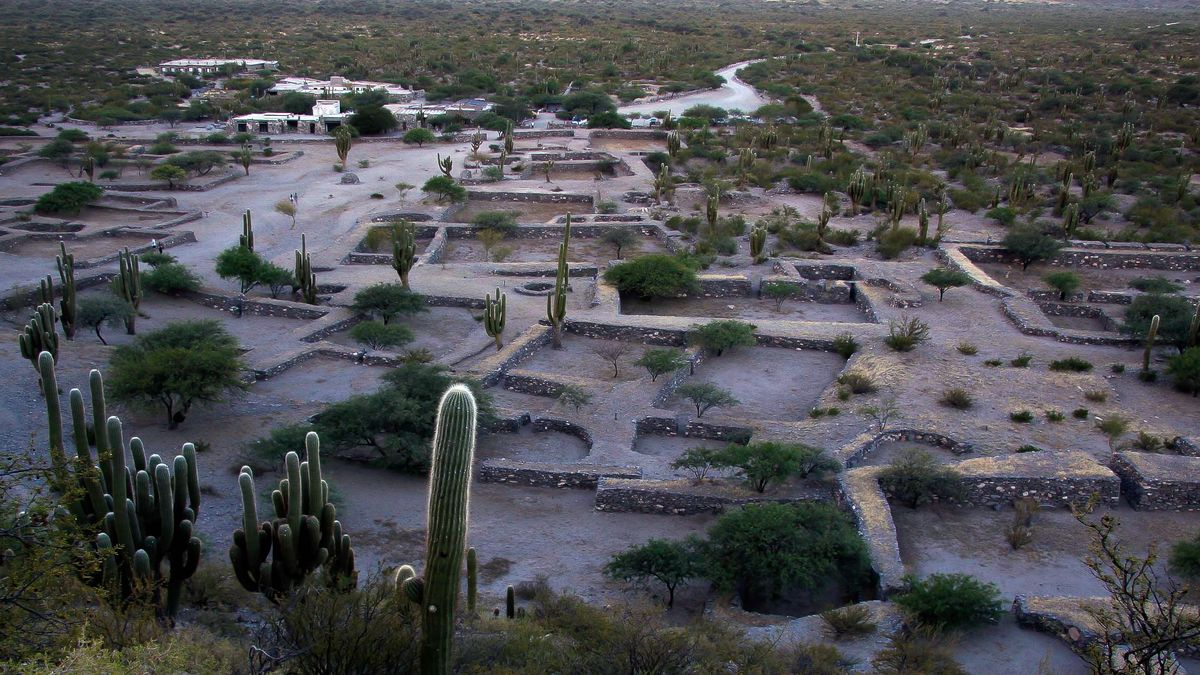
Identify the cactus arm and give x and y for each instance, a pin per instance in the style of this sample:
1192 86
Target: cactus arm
312 449
1150 336
119 493
472 580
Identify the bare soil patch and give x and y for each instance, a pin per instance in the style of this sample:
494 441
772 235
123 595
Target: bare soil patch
744 308
90 248
529 212
546 250
440 330
1094 279
321 380
518 401
578 358
528 446
885 453
627 144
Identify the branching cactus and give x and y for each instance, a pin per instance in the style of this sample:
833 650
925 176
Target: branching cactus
446 165
508 140
857 189
556 302
127 285
1070 220
404 250
305 277
275 557
69 305
673 144
449 504
246 240
758 242
146 512
494 312
39 337
662 182
711 212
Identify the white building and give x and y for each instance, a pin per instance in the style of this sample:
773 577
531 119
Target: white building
410 113
210 66
340 86
326 116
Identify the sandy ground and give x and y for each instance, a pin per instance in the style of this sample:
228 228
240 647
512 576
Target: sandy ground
745 308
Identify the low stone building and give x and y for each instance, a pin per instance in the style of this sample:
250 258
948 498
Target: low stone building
210 66
326 116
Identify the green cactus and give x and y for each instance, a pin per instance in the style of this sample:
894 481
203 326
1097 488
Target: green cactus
68 307
711 212
508 140
276 556
758 242
343 138
1089 161
127 285
1150 336
446 165
556 302
857 189
246 240
824 215
673 144
510 602
147 512
305 277
922 222
1070 220
897 204
449 504
39 336
472 580
493 316
1194 329
404 250
662 182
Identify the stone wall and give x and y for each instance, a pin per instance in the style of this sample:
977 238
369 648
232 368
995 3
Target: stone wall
490 370
541 424
1131 258
694 357
1185 446
649 336
824 271
1029 318
181 187
538 474
725 286
857 450
823 291
1154 482
1052 478
257 306
669 426
530 197
1054 308
861 493
631 134
529 382
543 133
680 498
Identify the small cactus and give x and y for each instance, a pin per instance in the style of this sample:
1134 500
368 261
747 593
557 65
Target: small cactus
246 240
404 250
556 302
68 307
446 165
127 285
758 242
510 602
493 316
305 277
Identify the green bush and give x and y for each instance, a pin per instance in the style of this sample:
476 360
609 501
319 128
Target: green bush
68 198
1073 364
891 243
723 334
906 332
504 222
653 276
1184 370
1185 558
1155 284
1021 416
378 335
1175 314
951 601
845 345
170 278
848 622
915 478
957 398
767 462
388 301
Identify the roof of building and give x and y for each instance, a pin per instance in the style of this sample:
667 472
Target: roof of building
210 63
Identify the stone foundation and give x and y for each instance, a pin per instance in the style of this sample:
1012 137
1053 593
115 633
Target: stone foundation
1154 482
680 498
536 474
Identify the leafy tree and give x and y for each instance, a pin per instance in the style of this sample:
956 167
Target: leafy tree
942 279
699 461
170 173
779 291
670 562
608 120
712 113
705 395
1184 370
287 207
419 136
387 301
769 462
275 278
620 238
379 335
73 135
763 550
951 601
916 478
176 367
297 103
651 276
720 335
58 150
97 311
573 395
661 360
1064 282
241 263
504 222
68 198
588 102
199 162
169 278
373 119
446 188
1175 315
1029 244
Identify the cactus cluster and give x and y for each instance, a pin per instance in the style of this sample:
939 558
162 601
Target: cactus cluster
662 182
494 311
446 165
673 144
758 242
146 513
305 278
246 240
276 556
68 307
556 302
857 189
127 285
404 250
39 336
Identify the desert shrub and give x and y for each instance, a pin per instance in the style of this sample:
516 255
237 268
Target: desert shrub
106 309
1185 558
154 258
388 301
1155 284
1064 282
1175 314
914 650
1080 413
957 398
377 335
705 396
993 363
915 478
653 276
951 601
891 243
68 198
723 334
842 237
671 563
1117 368
1073 364
763 550
857 382
1005 215
944 279
504 222
1028 448
906 332
967 200
848 622
818 659
1147 442
190 649
967 348
764 463
1055 416
1184 370
699 462
1096 395
1021 361
1021 416
845 345
418 355
1029 244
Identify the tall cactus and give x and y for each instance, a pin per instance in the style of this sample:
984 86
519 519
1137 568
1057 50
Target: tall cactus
69 305
508 140
494 312
510 602
146 512
276 556
446 165
711 212
897 205
343 138
1070 220
446 528
1150 337
758 242
127 285
1193 337
246 240
404 250
38 337
922 222
305 277
673 144
556 302
824 215
857 189
662 182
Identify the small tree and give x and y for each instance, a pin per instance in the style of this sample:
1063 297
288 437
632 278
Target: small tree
951 601
489 239
1184 370
653 276
723 334
1029 245
574 396
670 562
176 367
287 208
764 463
419 136
244 157
170 278
98 311
387 301
239 262
68 198
613 352
661 360
915 478
943 279
1065 283
275 278
779 291
170 173
1175 318
446 189
705 395
620 239
380 335
699 462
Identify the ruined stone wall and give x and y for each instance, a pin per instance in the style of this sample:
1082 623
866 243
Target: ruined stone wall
537 474
860 448
1161 257
1153 482
616 495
